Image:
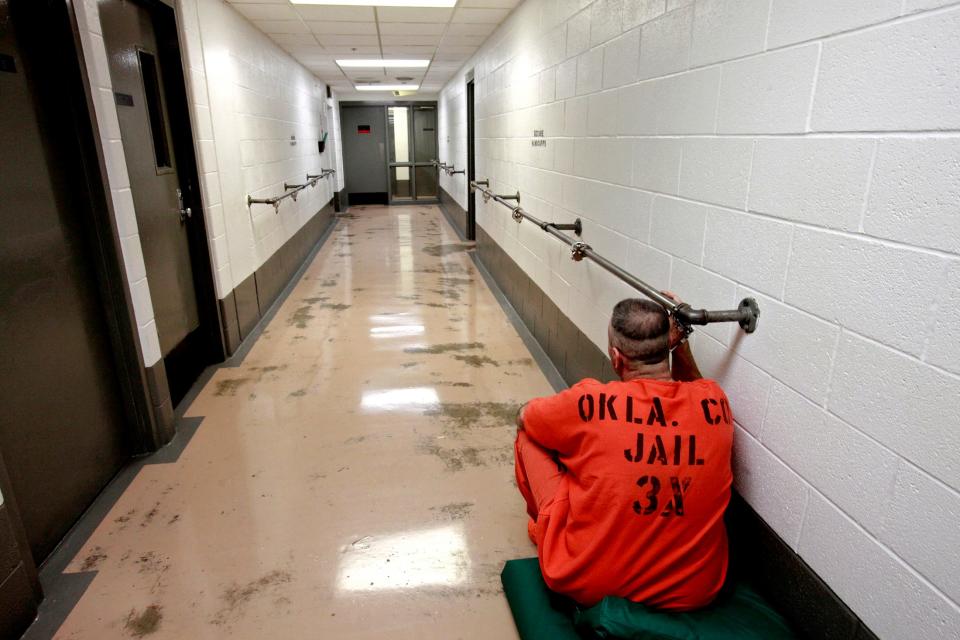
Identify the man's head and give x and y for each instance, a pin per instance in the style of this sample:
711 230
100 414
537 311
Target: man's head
638 336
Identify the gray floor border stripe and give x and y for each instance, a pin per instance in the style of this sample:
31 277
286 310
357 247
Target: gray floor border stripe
63 591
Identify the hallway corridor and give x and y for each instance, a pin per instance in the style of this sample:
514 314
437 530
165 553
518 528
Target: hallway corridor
351 478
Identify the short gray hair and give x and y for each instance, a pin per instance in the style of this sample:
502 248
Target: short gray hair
641 330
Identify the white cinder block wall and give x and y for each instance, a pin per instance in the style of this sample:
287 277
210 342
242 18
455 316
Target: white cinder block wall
247 97
803 152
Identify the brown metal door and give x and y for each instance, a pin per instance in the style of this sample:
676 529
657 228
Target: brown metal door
62 425
142 108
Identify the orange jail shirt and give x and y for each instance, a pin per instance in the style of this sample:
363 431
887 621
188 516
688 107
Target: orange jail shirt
639 511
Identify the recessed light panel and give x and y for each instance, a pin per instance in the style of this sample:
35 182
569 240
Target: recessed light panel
387 87
382 3
406 64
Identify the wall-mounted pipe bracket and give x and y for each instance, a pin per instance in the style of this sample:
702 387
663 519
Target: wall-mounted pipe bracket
576 226
578 250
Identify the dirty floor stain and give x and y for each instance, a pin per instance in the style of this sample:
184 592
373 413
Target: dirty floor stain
144 623
351 478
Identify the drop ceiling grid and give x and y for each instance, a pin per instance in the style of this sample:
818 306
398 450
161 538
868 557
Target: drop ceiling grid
318 35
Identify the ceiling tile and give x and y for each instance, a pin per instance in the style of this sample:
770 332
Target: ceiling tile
238 2
450 48
451 56
346 51
489 4
403 71
309 60
294 39
390 40
458 40
303 49
342 28
413 14
267 11
332 39
412 28
470 29
337 14
281 26
400 50
480 16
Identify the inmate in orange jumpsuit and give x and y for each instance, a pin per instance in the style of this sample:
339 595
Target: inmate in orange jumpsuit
627 483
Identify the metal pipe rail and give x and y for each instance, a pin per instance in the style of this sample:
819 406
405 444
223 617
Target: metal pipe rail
291 190
746 314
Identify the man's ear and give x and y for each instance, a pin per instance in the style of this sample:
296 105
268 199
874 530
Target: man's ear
616 359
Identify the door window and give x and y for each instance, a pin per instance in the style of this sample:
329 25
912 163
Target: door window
158 121
412 143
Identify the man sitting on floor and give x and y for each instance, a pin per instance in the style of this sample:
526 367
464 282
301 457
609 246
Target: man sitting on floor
626 482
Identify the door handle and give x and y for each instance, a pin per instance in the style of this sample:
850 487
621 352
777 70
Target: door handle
184 212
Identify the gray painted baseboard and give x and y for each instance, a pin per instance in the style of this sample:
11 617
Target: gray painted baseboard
455 214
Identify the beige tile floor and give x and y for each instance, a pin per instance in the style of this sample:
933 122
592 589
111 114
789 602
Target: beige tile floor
352 478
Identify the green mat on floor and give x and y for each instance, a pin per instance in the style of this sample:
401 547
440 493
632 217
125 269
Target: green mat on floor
539 614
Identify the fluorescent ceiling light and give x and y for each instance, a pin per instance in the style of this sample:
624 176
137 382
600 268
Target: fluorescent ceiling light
382 3
406 64
387 87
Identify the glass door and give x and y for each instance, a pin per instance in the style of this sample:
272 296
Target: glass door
412 141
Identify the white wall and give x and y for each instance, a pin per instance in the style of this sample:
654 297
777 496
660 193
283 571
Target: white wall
247 97
806 153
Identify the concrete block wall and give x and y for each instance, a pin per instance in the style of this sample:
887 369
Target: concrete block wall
249 97
805 153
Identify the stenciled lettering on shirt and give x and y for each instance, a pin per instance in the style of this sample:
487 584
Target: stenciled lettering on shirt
657 444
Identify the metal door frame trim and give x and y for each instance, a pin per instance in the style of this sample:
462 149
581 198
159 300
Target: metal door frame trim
413 164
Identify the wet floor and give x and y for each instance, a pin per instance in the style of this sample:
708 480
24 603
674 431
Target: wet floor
352 478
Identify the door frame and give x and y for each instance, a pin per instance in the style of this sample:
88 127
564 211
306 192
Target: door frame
471 231
413 164
206 345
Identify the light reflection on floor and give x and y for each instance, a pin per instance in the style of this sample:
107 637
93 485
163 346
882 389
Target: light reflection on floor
406 560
